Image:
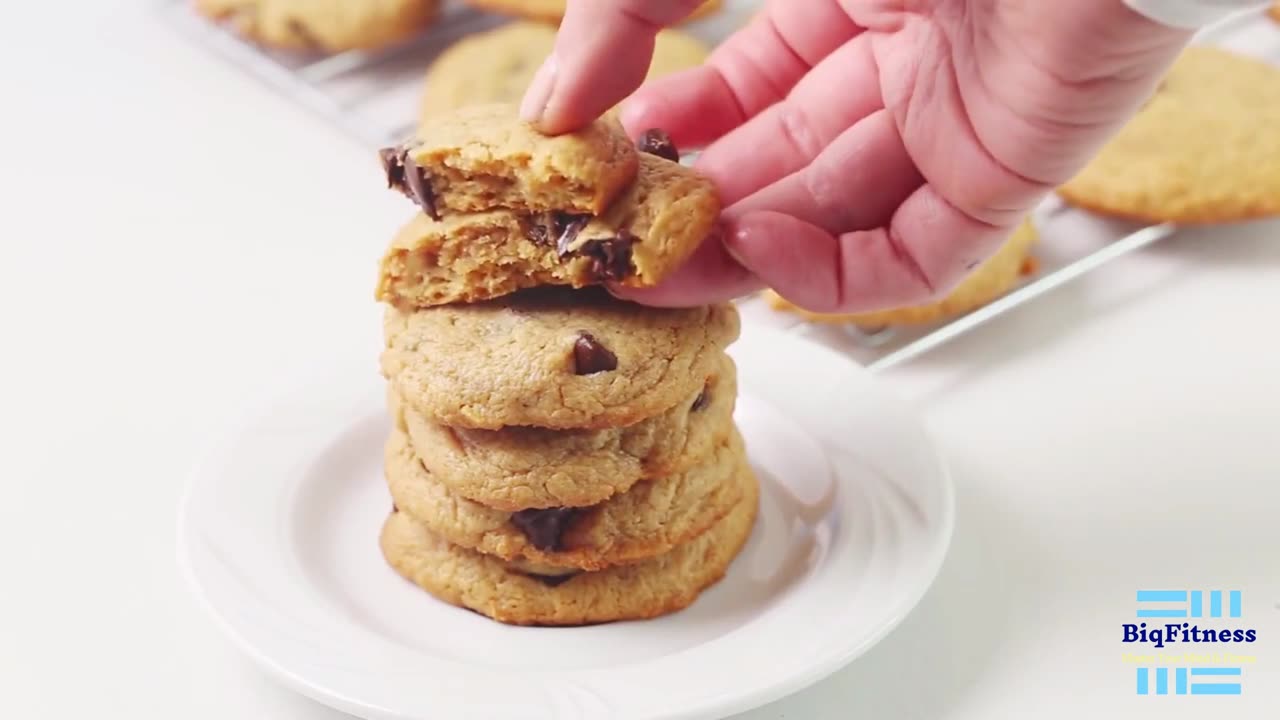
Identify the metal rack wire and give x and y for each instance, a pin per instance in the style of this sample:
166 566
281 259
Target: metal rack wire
373 98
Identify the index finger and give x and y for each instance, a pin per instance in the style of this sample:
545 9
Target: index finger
602 54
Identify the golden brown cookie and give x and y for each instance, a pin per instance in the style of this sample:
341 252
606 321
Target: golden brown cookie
989 281
517 468
1275 11
649 231
483 157
324 25
553 358
1203 150
552 11
497 66
510 594
649 519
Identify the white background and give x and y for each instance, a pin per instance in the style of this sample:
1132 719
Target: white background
178 243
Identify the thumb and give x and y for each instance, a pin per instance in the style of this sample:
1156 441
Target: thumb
602 55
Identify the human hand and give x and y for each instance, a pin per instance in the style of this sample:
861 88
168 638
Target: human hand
870 153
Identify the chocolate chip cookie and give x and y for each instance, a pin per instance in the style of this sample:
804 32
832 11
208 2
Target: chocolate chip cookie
552 11
649 519
517 468
989 281
553 358
645 234
324 25
1203 150
497 66
483 157
517 593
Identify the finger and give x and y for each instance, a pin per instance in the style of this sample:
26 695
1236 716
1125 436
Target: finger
926 250
856 183
791 133
711 275
602 54
750 71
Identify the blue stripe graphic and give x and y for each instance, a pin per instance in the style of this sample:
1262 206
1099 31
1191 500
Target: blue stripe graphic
1224 689
1182 681
1162 613
1235 603
1142 681
1196 609
1162 681
1162 596
1215 671
1215 603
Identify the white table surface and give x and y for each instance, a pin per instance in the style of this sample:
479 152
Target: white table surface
179 242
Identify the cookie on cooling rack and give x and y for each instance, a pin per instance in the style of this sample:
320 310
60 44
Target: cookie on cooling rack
327 26
989 281
1203 150
497 66
552 11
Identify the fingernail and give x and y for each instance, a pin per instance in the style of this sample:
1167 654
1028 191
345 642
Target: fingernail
539 92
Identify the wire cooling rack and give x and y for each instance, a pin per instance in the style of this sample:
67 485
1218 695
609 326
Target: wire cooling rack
374 98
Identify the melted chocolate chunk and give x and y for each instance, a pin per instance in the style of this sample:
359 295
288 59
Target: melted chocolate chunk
557 228
658 142
590 357
610 257
552 580
544 528
566 230
405 175
702 401
391 167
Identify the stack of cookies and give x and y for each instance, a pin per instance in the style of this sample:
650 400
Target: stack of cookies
558 456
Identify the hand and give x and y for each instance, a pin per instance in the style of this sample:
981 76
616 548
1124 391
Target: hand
870 153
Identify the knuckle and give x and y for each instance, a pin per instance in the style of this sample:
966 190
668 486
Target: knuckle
798 131
825 184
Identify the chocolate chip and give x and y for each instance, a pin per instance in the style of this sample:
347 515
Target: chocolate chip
702 401
557 228
657 142
590 357
610 257
405 175
420 185
569 233
544 528
391 166
553 580
394 508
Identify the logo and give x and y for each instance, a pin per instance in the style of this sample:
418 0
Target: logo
1202 669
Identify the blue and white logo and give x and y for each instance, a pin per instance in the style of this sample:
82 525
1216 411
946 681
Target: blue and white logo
1200 671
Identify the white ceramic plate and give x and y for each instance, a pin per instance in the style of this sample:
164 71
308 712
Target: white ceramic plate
278 537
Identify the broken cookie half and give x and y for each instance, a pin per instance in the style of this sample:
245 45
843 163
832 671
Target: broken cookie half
484 157
496 220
